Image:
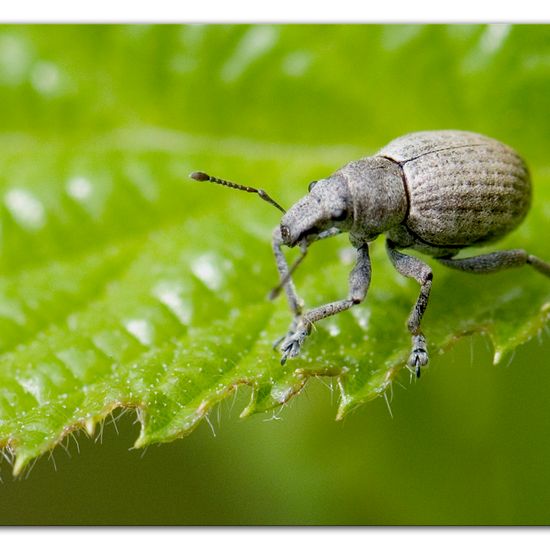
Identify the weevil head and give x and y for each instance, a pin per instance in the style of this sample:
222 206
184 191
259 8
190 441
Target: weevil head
366 197
327 205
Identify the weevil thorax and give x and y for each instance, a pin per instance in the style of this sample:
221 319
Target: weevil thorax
379 199
327 205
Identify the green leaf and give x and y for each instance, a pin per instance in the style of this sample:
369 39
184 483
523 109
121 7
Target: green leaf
124 284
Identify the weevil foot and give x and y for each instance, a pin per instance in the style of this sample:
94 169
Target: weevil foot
278 341
290 332
292 343
419 355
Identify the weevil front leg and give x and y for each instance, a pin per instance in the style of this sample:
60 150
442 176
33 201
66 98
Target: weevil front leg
412 267
285 273
294 302
359 281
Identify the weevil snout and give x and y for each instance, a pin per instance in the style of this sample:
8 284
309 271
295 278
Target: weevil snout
327 205
301 221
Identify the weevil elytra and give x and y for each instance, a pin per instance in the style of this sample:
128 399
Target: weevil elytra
436 192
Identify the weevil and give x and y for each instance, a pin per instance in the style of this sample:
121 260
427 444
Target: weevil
435 192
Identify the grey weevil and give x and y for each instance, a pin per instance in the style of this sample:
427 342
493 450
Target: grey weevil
435 192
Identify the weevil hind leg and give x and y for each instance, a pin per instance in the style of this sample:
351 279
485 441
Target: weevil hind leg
412 267
540 265
497 261
359 281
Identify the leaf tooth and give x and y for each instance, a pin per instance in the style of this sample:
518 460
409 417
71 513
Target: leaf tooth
89 426
347 402
499 353
21 460
251 407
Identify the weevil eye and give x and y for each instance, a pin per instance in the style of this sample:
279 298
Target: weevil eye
285 232
339 216
311 186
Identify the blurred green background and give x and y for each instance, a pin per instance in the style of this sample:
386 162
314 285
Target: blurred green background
467 444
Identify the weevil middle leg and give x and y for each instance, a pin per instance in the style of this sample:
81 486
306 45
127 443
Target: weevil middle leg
359 281
412 267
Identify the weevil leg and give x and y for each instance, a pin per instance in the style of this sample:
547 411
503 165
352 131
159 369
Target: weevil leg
497 261
359 281
295 303
412 267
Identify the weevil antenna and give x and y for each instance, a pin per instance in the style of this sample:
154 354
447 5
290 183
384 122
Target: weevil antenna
201 176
